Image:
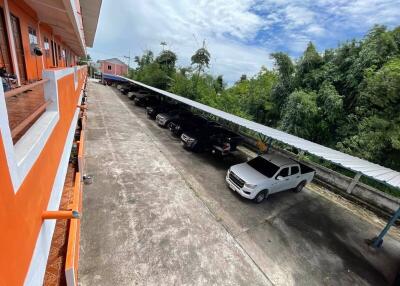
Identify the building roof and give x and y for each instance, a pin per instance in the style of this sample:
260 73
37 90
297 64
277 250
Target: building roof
64 19
90 16
369 169
114 61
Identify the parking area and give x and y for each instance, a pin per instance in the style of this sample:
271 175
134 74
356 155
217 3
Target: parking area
158 214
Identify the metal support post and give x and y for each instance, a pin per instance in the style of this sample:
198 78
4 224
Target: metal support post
269 143
377 242
353 183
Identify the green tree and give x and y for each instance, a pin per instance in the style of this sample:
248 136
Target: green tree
377 137
307 68
167 60
146 59
201 59
330 109
219 84
300 115
285 84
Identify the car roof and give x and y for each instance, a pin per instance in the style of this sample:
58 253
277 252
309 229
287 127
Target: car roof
278 159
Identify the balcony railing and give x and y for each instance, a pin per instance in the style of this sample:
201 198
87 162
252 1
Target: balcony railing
25 104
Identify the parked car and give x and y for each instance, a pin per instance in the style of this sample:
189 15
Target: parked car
125 88
145 100
130 88
268 174
119 86
133 93
180 125
163 119
154 110
225 142
202 138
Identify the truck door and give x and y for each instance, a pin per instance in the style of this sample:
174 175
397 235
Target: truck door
282 180
295 176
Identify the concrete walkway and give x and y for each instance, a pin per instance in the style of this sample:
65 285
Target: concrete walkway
142 224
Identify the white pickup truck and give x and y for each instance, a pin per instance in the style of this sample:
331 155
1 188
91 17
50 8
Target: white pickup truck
268 174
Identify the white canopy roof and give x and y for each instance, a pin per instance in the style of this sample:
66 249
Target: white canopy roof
364 167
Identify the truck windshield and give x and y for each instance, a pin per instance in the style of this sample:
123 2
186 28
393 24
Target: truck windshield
263 166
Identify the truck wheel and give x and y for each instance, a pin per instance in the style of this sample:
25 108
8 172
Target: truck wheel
299 187
261 196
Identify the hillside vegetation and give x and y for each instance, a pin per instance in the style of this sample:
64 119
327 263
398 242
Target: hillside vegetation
346 98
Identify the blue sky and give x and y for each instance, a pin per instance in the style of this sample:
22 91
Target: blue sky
240 34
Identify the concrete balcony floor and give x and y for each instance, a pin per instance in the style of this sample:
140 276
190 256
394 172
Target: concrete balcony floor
19 107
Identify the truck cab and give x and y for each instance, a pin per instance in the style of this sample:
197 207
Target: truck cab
268 174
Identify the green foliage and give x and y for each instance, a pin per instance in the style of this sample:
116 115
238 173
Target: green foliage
167 60
201 58
378 131
84 60
307 70
346 98
146 59
300 114
285 85
330 109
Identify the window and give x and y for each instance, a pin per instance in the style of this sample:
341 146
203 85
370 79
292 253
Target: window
284 172
63 53
109 67
33 41
295 170
46 46
59 52
263 166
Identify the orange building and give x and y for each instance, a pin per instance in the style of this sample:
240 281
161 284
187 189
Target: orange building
42 125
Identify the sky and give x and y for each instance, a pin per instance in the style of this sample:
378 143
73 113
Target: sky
239 34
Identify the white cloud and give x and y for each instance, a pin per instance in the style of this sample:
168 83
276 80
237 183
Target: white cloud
183 25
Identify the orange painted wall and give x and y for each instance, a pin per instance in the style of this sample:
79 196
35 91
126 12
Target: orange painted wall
20 213
27 17
46 32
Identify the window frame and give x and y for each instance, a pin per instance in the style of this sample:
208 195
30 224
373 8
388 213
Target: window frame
291 170
46 46
33 39
279 174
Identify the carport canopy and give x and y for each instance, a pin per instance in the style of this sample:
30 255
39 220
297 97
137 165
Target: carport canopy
369 169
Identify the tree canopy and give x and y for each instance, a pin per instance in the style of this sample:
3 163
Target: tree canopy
347 98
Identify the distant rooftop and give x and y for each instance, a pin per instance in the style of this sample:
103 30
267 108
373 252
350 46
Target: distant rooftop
114 61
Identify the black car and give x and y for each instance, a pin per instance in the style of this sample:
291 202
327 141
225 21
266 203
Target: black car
225 142
130 88
180 125
125 89
145 100
163 119
198 139
154 110
213 138
133 93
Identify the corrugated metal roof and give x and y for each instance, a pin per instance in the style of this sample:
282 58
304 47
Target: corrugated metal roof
356 164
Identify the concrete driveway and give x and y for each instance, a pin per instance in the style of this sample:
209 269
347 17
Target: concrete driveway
157 214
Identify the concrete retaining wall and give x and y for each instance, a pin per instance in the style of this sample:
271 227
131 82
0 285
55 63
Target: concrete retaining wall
341 183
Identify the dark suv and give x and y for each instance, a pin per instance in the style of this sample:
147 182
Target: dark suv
127 88
154 110
211 137
145 100
225 142
180 125
163 119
